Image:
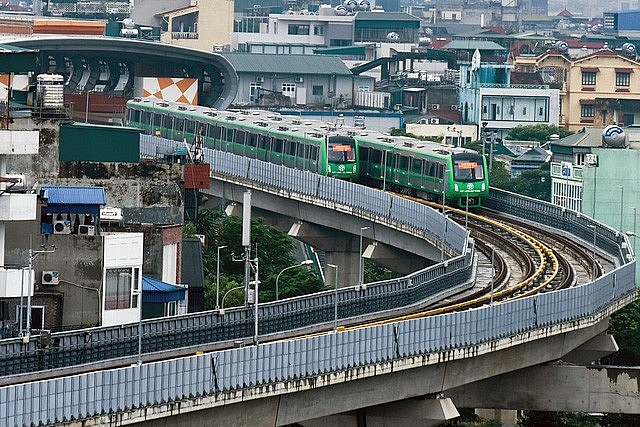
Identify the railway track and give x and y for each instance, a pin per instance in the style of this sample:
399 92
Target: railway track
514 259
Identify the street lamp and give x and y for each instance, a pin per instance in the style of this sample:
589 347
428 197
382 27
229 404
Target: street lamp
305 262
218 277
228 292
593 268
360 278
32 255
335 299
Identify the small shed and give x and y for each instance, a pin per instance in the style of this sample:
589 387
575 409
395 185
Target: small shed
71 210
161 299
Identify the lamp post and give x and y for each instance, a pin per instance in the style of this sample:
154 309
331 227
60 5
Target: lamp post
593 267
218 277
256 282
484 136
335 299
360 278
621 204
305 262
32 255
228 292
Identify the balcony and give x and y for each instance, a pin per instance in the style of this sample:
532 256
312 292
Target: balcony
18 207
183 35
14 283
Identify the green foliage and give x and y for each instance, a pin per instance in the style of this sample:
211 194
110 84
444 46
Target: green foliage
188 229
557 419
402 132
273 249
625 327
538 133
532 183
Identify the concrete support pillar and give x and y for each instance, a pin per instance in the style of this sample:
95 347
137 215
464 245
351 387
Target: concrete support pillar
348 265
506 417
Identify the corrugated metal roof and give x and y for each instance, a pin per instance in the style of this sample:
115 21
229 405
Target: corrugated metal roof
73 195
473 44
290 64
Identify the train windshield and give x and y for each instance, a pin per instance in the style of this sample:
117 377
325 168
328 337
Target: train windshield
341 150
468 169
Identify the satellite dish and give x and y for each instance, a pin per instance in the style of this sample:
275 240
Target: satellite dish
341 10
393 37
629 49
128 23
351 5
614 136
562 46
364 5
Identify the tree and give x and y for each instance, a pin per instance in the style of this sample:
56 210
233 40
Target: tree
274 250
538 133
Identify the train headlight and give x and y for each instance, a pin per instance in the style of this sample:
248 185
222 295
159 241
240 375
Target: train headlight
483 186
455 187
329 168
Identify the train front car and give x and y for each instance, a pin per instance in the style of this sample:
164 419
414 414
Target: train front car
342 158
468 181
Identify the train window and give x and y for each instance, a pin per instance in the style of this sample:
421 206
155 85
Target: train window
276 146
314 153
252 140
263 142
364 154
467 170
239 137
146 117
290 147
403 163
179 124
215 132
190 127
376 156
441 171
416 166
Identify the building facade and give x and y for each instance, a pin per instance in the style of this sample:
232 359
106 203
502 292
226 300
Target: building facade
595 90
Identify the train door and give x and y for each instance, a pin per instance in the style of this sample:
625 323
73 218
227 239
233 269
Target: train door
275 153
263 147
416 175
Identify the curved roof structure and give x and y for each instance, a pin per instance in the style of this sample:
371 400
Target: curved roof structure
78 56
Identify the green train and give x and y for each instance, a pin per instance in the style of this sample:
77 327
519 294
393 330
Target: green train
424 169
264 135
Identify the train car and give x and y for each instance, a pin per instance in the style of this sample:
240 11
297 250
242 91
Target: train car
315 146
425 169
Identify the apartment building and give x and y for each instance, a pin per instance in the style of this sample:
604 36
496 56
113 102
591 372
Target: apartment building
595 90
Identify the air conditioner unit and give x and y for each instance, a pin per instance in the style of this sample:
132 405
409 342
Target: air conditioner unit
260 79
299 79
50 277
434 121
87 230
435 106
62 227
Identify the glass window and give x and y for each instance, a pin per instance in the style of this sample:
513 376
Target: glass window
118 289
589 78
623 79
587 110
318 90
416 166
467 170
298 29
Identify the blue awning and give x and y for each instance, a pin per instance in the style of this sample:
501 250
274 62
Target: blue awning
154 290
73 199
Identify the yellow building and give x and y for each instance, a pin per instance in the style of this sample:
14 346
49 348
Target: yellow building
204 25
595 90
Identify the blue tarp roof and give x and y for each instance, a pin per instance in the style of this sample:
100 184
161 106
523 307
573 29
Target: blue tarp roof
74 195
154 290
